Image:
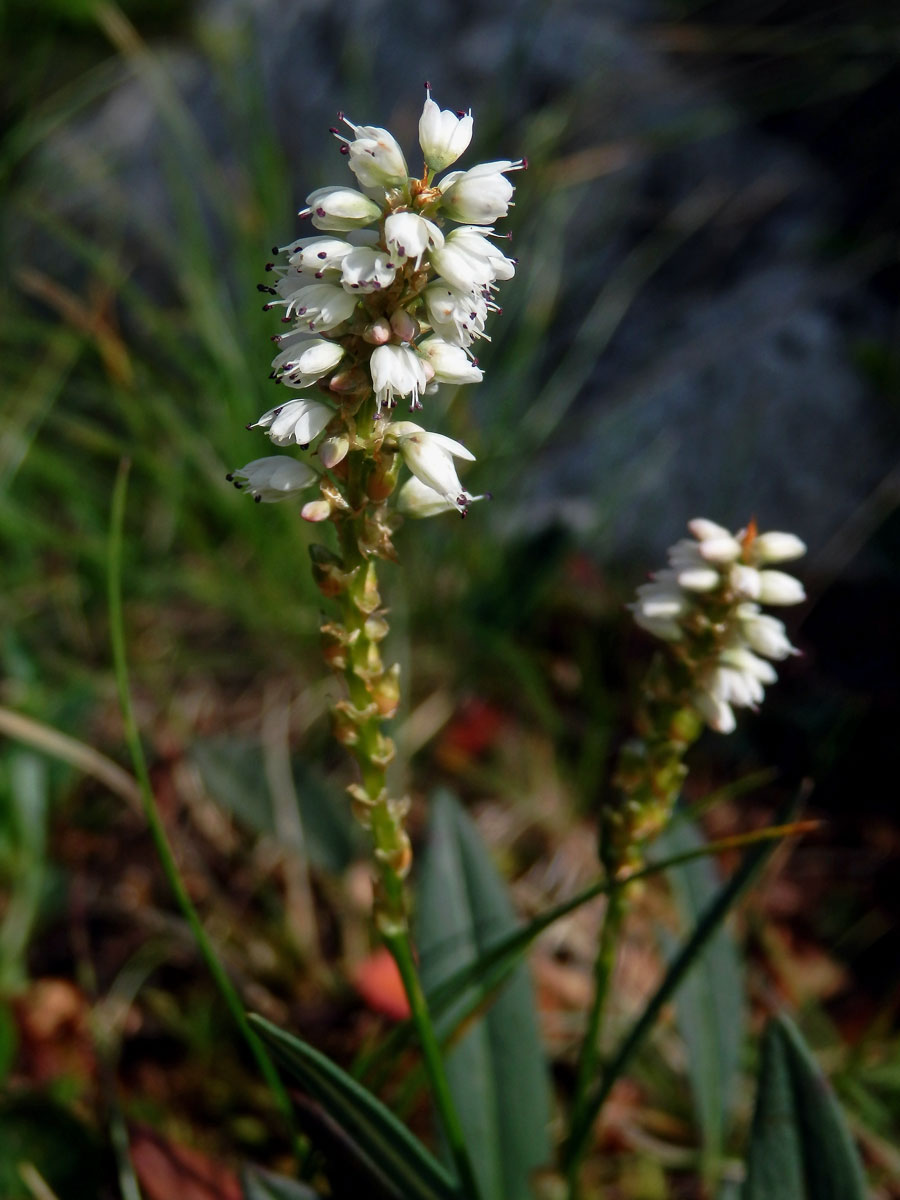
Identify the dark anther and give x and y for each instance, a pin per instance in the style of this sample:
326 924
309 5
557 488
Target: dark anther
256 499
334 129
285 320
427 86
524 164
270 266
274 249
229 476
246 427
320 212
304 445
340 116
344 149
266 307
322 254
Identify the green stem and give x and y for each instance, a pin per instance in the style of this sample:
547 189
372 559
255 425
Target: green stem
400 947
710 920
590 1050
154 820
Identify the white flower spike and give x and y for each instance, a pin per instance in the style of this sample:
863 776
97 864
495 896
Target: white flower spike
707 603
382 302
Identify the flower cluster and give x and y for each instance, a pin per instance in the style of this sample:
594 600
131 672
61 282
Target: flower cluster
707 603
385 301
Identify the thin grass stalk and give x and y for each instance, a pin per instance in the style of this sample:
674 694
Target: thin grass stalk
154 820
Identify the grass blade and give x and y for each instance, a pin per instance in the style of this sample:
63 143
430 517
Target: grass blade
495 1070
800 1145
400 1161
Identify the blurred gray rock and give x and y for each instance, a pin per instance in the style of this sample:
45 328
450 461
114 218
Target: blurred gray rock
717 377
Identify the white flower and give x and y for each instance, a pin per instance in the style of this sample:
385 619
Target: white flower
416 499
375 157
298 421
660 605
408 235
481 194
322 306
462 270
397 371
457 317
763 633
305 361
366 270
702 529
745 581
340 208
716 713
476 241
775 587
451 363
430 458
274 478
705 600
776 547
318 254
443 135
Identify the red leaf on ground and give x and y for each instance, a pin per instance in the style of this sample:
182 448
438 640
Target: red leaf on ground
166 1171
378 982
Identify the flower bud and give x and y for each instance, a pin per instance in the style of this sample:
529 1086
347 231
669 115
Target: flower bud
378 332
405 326
315 511
334 450
778 588
777 547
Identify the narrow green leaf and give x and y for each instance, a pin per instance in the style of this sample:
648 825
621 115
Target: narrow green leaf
800 1145
709 921
233 772
710 1004
258 1184
496 1071
504 952
398 1161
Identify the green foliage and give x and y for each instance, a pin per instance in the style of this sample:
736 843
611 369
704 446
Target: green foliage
496 1070
23 865
36 1130
800 1146
263 1185
382 1148
710 1003
233 772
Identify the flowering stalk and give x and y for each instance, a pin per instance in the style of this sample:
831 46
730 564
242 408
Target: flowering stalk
706 606
384 304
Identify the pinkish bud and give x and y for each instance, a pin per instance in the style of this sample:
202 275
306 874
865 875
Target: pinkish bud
405 327
378 332
316 510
